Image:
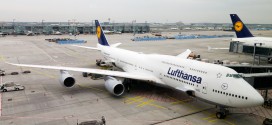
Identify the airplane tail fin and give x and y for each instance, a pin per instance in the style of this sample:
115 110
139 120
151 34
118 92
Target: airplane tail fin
240 29
100 35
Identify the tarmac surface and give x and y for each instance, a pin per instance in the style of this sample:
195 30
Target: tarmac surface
46 102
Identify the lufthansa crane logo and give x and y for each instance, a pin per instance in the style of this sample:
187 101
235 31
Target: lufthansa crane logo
238 26
224 86
98 32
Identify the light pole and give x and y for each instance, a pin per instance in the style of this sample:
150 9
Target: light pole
13 23
93 27
254 52
42 26
133 29
75 31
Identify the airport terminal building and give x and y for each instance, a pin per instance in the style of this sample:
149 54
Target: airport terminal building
22 28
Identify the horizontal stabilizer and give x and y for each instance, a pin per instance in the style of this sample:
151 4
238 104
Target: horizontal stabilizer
116 44
94 48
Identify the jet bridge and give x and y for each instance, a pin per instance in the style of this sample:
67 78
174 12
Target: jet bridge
260 77
250 68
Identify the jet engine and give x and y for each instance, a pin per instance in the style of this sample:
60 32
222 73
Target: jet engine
114 86
190 93
66 79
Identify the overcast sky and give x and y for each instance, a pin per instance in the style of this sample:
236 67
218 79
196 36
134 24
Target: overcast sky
187 11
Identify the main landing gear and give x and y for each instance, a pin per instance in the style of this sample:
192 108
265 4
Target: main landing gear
222 113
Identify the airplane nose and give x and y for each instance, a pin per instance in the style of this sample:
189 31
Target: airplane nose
259 100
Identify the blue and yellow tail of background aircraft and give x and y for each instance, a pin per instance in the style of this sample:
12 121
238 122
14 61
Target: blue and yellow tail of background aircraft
100 34
239 27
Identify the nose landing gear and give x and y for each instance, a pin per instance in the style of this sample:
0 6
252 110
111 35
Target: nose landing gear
222 113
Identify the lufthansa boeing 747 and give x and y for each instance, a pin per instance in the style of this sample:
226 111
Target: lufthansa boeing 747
212 83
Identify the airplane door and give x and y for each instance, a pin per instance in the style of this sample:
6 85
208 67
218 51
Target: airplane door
204 88
161 76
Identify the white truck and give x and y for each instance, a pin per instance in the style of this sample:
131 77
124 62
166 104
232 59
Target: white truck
2 73
11 86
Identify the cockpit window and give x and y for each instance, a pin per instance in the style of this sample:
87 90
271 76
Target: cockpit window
234 75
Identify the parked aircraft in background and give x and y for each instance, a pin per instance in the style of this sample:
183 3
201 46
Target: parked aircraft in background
3 34
108 32
215 84
244 35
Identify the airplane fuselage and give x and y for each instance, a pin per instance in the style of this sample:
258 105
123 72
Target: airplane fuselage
213 83
266 41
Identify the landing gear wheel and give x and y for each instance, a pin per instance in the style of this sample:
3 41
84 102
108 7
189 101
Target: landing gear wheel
221 115
4 90
17 89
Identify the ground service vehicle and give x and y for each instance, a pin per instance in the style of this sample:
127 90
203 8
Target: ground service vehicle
11 86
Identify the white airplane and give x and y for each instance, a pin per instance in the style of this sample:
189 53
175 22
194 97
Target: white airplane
108 32
215 84
245 36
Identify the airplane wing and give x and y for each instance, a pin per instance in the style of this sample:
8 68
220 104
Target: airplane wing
185 54
144 77
94 48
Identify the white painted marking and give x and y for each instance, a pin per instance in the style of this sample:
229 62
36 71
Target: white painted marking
0 104
1 98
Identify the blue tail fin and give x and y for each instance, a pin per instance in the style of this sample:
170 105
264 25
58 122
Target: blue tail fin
240 29
100 34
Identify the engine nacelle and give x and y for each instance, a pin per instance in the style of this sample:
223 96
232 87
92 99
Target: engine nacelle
190 93
66 79
114 86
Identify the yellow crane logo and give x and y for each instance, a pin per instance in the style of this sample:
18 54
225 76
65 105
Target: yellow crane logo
98 32
238 26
